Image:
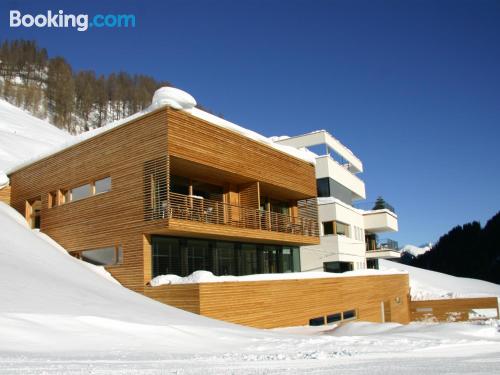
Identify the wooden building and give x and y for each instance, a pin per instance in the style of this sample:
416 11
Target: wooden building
169 192
172 191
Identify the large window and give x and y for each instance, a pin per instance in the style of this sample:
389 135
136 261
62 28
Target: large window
226 258
199 255
183 256
248 265
167 256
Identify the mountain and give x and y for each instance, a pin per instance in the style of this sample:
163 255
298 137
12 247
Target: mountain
467 250
50 88
410 252
22 136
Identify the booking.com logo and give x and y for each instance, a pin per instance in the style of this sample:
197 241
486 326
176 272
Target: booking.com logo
79 21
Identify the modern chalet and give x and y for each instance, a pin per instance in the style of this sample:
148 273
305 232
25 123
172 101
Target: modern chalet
172 191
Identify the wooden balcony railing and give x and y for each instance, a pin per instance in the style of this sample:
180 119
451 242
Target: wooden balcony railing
195 208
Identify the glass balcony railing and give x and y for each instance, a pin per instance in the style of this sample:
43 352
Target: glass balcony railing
382 245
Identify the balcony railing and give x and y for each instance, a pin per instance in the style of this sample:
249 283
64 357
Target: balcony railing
195 208
382 245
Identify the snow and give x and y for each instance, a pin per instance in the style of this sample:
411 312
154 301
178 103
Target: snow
165 96
208 277
425 284
57 315
172 97
415 250
22 136
4 180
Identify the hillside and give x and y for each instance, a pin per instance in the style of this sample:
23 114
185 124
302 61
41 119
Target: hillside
468 250
74 100
22 135
61 315
427 284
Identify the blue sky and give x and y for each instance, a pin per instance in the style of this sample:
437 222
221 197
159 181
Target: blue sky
412 87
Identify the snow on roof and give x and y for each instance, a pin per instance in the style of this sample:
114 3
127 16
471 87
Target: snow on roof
208 277
177 99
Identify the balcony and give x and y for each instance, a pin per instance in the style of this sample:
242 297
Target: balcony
382 220
381 249
328 167
197 209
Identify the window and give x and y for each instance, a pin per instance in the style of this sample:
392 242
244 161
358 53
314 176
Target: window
332 318
182 256
349 314
103 185
52 199
226 256
319 321
335 227
342 229
105 256
323 186
199 256
33 212
328 228
81 192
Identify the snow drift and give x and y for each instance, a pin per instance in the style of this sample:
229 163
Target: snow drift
425 284
46 293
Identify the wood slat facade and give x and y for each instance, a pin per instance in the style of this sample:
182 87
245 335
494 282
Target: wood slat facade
5 195
164 141
453 309
283 303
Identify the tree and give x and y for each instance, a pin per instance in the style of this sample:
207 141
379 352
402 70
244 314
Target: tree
85 87
380 204
61 92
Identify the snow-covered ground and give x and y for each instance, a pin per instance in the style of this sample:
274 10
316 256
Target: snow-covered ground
61 316
22 136
426 284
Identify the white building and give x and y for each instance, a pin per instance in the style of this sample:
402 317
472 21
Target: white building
349 235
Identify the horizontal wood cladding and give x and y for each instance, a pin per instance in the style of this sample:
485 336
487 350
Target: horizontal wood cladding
196 140
112 218
203 230
187 298
453 309
282 303
5 195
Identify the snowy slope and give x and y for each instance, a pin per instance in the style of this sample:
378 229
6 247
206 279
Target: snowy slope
22 136
427 284
47 293
61 316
